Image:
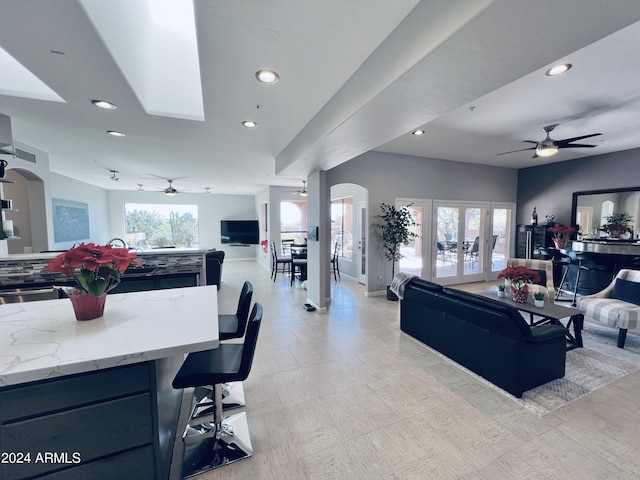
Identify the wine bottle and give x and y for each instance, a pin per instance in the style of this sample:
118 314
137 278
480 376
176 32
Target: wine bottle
534 217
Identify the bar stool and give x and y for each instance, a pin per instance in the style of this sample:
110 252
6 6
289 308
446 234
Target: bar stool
224 440
230 326
594 263
561 260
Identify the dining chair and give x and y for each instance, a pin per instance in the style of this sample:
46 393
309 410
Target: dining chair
286 246
280 264
335 265
298 264
224 440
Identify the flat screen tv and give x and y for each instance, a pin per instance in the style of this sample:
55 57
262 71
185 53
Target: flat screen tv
242 232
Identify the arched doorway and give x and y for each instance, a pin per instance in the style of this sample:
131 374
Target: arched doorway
28 213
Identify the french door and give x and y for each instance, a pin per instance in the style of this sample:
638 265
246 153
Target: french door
460 240
416 255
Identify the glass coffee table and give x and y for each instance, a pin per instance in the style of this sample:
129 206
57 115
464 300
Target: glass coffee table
550 313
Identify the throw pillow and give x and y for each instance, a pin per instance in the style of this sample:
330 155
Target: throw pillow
627 291
543 277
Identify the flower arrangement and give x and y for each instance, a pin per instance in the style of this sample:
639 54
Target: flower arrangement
265 246
617 224
519 276
95 268
561 231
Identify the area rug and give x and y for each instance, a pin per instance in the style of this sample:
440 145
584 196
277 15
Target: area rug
599 363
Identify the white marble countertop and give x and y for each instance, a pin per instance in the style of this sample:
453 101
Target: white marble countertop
40 340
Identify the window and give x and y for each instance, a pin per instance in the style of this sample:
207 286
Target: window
293 221
342 226
158 225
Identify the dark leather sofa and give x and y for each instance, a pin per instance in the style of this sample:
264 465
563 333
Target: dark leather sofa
489 338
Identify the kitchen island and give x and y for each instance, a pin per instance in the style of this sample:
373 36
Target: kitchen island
161 268
93 399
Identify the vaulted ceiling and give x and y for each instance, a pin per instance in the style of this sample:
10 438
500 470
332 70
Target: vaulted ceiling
354 76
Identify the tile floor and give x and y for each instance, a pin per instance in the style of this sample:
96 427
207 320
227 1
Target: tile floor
346 395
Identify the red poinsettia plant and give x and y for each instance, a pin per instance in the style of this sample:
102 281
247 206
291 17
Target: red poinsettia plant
561 231
520 276
95 268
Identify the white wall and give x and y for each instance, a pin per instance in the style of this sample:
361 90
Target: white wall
389 176
69 189
211 209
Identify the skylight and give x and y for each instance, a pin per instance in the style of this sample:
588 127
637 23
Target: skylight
17 81
155 46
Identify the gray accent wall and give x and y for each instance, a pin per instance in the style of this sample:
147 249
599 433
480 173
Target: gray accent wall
389 176
550 187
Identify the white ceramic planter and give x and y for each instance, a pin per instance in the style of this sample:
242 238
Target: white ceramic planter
538 303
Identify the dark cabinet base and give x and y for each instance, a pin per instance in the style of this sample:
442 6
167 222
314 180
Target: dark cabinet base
91 425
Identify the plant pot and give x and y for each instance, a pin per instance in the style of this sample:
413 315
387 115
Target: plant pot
88 307
538 303
390 295
501 293
520 295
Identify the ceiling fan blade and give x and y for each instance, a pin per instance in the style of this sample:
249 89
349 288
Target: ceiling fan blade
576 145
575 139
521 150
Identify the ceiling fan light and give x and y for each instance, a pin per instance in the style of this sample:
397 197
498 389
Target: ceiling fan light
303 193
170 193
546 151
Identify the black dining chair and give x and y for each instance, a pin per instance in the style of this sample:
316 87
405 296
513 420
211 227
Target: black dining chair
298 264
335 264
279 264
224 440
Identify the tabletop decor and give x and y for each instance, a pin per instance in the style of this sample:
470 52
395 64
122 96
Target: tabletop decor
617 224
519 277
561 234
97 270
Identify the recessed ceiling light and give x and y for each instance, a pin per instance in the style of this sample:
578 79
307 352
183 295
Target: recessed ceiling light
418 132
558 69
249 124
267 76
115 133
104 104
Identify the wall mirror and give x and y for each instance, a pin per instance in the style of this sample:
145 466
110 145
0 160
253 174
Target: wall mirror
590 209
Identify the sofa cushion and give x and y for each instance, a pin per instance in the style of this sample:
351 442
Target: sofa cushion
626 291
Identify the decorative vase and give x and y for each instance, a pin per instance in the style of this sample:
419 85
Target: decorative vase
520 295
88 307
560 242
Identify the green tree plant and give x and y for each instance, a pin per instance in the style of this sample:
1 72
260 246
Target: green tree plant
395 228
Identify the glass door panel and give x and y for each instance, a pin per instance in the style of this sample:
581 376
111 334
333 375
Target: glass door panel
447 249
474 240
500 240
412 254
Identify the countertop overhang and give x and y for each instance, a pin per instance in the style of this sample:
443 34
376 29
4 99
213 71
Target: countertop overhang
42 340
607 247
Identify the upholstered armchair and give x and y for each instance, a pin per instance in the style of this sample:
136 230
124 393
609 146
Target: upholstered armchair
544 268
617 306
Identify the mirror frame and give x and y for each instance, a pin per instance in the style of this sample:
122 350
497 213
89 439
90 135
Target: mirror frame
574 202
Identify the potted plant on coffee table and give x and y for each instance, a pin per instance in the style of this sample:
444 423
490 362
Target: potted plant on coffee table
395 228
538 299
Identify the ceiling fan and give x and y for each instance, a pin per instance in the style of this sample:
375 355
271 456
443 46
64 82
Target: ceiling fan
549 146
170 191
303 191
